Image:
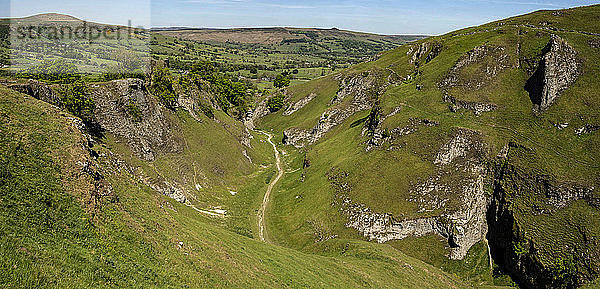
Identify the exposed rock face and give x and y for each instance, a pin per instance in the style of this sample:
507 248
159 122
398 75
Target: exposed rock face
428 50
511 243
300 104
148 135
463 226
384 227
381 136
495 59
476 107
84 173
588 128
360 86
479 53
558 69
363 90
457 147
259 111
38 90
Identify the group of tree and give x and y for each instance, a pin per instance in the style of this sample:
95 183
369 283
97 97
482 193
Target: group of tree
74 94
233 96
281 81
161 85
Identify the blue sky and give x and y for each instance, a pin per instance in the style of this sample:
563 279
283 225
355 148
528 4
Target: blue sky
389 17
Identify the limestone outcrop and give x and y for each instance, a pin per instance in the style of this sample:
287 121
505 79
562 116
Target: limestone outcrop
149 132
423 53
299 104
495 59
38 90
462 226
557 70
362 88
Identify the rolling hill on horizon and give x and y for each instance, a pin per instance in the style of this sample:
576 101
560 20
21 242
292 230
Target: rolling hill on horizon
464 160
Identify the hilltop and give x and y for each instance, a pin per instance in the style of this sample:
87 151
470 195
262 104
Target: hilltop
276 35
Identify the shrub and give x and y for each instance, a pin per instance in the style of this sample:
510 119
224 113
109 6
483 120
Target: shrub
228 92
207 110
281 81
161 85
275 103
74 98
53 71
133 110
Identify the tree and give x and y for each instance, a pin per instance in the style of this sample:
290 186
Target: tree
203 68
281 81
74 98
53 71
275 103
127 60
161 85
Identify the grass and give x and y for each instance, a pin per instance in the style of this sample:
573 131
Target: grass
135 241
382 179
144 239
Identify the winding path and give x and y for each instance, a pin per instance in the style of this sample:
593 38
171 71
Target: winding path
263 207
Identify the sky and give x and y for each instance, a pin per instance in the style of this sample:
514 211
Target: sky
385 17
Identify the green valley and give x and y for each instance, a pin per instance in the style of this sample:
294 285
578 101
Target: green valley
305 158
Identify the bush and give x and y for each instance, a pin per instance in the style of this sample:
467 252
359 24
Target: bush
74 98
207 110
275 103
229 93
53 71
133 110
281 81
161 85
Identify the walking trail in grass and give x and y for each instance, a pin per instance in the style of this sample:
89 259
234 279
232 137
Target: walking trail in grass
263 207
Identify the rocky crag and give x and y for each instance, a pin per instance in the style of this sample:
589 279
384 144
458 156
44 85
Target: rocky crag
556 71
360 89
463 226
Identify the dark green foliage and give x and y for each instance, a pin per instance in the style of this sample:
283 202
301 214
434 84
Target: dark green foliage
228 92
161 85
53 71
275 103
203 68
281 81
373 119
75 98
565 270
127 65
207 110
133 110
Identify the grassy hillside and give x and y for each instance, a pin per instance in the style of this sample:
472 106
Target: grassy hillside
429 94
466 160
72 232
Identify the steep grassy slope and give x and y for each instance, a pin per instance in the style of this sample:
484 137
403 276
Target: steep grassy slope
443 136
75 215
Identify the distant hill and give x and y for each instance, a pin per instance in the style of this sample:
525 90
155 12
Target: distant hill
260 53
276 35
